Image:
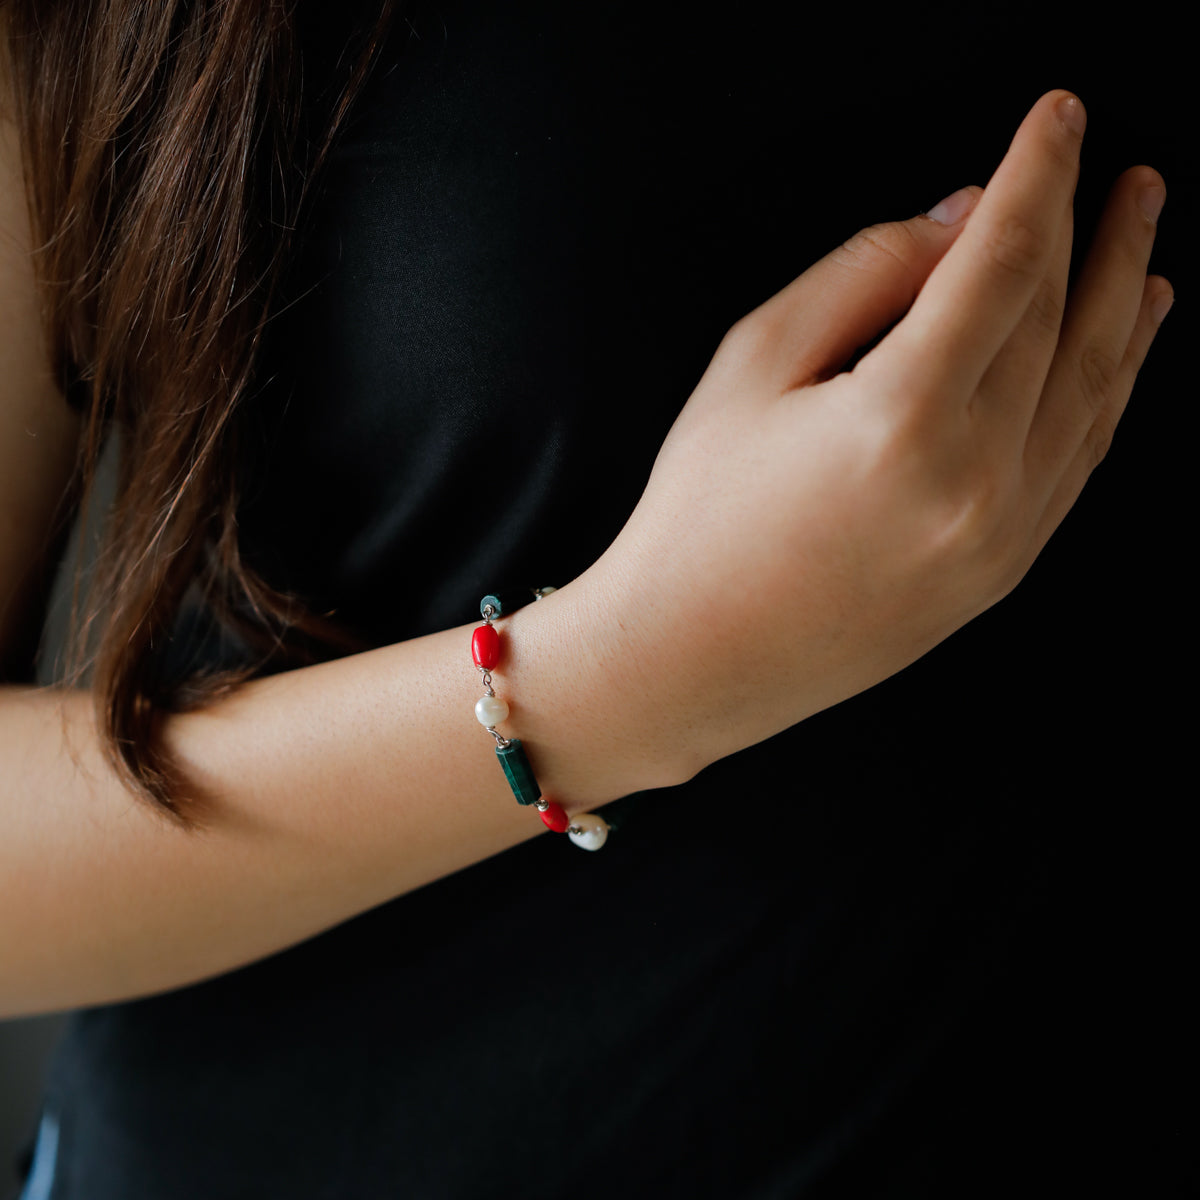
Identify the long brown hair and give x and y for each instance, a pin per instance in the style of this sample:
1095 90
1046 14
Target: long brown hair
169 151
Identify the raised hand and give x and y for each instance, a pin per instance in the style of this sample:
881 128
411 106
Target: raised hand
809 530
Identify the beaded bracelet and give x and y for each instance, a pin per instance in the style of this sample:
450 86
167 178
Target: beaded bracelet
587 830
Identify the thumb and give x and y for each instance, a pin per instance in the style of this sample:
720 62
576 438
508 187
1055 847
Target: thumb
851 296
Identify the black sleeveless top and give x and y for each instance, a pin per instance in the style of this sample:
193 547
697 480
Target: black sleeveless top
908 948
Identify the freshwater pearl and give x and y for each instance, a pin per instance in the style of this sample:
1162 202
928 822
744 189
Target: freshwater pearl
593 831
490 710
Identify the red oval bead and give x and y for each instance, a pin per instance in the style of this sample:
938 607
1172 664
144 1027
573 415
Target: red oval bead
556 817
485 646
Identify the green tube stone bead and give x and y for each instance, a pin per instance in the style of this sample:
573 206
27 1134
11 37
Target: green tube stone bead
518 772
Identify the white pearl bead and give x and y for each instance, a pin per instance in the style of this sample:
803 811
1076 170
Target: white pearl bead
592 831
490 710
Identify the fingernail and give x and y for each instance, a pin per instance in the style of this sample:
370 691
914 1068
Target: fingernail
1160 306
1071 113
1151 200
952 210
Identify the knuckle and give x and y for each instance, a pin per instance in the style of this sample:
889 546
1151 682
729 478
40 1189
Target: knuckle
967 517
748 338
980 515
1098 441
985 527
1017 249
973 524
1098 372
1046 309
895 242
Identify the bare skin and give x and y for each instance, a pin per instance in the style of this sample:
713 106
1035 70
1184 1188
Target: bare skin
839 524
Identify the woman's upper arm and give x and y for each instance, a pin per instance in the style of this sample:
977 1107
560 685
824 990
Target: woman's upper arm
38 431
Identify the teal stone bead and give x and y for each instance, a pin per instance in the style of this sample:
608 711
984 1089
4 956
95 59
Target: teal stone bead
507 600
518 772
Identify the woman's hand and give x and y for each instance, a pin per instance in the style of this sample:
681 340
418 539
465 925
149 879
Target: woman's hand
804 533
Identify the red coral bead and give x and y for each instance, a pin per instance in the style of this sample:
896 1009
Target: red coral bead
556 817
485 646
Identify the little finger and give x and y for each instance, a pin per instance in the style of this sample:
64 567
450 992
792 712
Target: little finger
1157 298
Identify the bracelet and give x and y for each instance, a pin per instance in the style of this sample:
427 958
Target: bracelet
587 830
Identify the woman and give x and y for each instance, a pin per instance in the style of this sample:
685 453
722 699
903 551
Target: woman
773 979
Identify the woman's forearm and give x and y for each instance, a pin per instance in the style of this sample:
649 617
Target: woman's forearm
323 792
805 533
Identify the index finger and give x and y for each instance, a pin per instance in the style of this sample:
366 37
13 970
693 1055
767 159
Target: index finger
977 294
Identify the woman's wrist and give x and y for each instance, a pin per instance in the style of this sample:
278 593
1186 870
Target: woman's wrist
590 730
